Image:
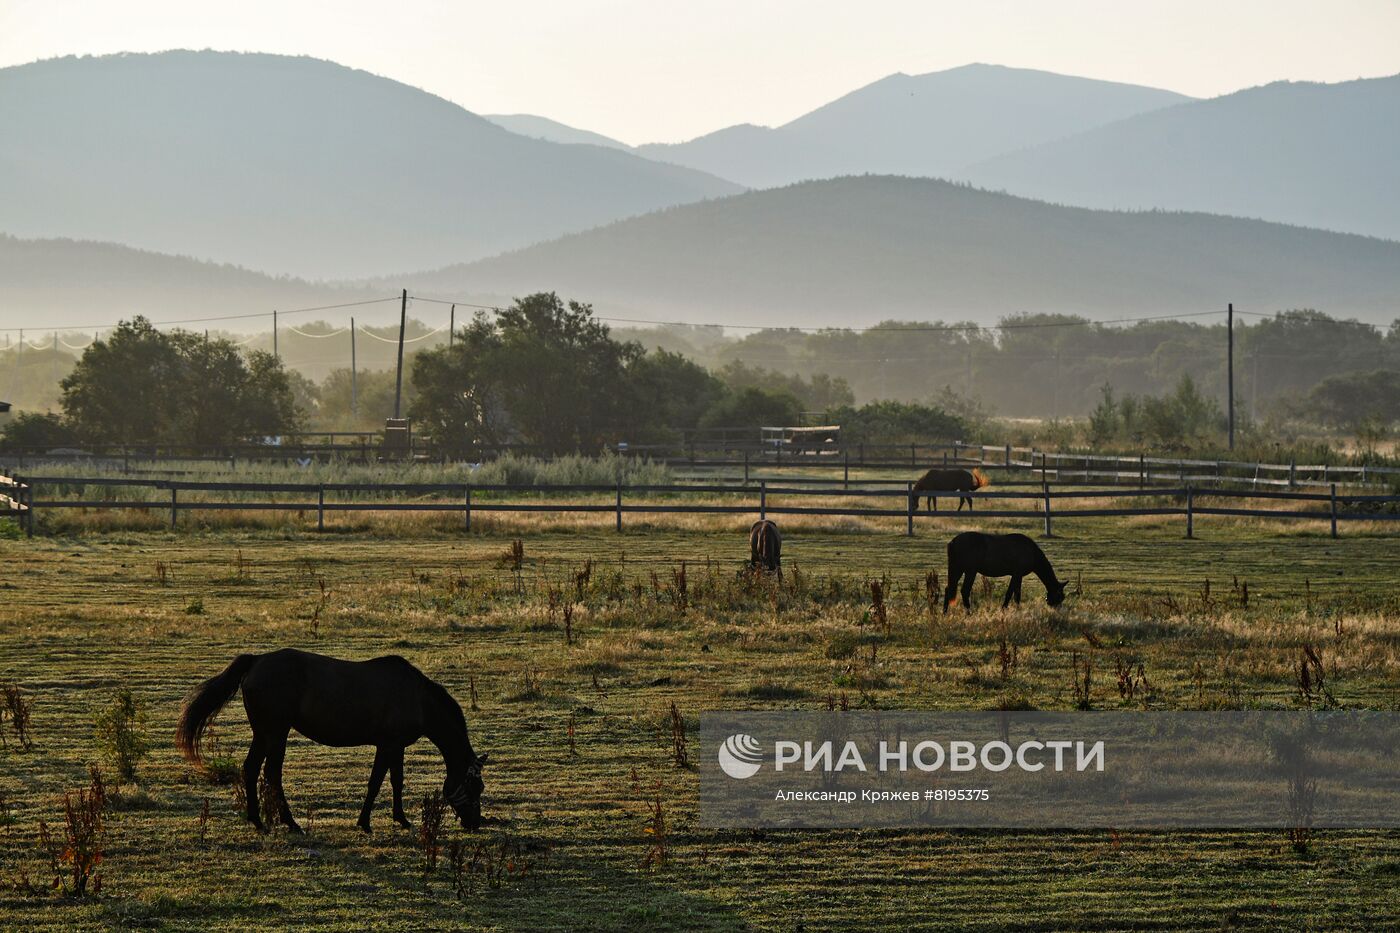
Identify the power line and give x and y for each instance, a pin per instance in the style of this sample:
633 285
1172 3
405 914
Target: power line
917 328
967 327
225 317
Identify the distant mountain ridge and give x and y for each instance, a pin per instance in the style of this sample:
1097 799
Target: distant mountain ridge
294 165
855 251
61 283
930 125
527 124
1320 155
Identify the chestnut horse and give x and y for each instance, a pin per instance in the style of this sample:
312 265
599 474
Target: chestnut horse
946 481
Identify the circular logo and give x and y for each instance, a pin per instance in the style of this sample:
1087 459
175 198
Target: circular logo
740 756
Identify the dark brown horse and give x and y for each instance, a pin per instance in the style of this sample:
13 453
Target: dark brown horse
946 481
386 702
1014 556
766 547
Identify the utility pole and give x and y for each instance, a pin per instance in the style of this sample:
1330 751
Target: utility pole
274 334
398 375
1230 369
451 326
354 386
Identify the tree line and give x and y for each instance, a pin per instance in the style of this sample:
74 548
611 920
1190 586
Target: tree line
1054 366
543 373
547 373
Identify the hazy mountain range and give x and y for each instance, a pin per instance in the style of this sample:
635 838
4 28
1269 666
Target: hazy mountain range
1316 155
69 284
854 251
1320 155
294 165
930 125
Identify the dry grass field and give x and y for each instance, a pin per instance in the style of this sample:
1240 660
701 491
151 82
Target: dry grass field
569 683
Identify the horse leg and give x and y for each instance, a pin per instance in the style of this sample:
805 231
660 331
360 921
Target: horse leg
396 782
951 591
967 589
1018 590
257 752
1010 591
376 778
277 752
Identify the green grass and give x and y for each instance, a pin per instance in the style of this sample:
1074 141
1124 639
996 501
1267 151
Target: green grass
84 616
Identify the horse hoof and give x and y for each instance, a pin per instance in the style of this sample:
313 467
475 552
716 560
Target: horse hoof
365 828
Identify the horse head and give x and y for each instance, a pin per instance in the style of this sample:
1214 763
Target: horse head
1055 595
463 793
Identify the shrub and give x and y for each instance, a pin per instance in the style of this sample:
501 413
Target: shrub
120 735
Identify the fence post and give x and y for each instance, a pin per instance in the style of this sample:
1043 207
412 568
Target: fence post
1142 471
1292 473
1334 510
321 508
467 508
619 504
909 508
1190 514
762 499
26 498
913 457
846 477
746 466
1008 458
174 506
1045 488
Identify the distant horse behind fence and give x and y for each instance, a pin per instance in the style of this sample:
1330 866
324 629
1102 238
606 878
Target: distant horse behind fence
946 481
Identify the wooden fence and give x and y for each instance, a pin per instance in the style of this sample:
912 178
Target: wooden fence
757 499
1039 466
14 496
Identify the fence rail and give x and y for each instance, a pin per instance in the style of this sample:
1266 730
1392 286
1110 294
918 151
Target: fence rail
14 502
1039 466
1183 501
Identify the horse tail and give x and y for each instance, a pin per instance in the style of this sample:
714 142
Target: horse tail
979 479
206 701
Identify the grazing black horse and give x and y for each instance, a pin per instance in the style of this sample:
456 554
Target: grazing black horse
946 481
766 547
1014 556
386 702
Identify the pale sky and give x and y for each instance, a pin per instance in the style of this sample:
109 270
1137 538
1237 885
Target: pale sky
665 70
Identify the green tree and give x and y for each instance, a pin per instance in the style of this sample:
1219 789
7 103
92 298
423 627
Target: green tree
1356 399
669 394
140 385
37 429
543 373
753 407
887 422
